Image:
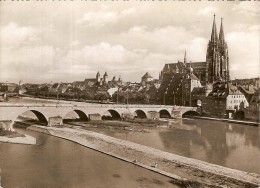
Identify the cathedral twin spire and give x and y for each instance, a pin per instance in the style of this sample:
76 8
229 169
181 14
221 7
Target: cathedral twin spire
221 33
217 60
214 34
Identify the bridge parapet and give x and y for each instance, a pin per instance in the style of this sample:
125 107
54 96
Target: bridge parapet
87 105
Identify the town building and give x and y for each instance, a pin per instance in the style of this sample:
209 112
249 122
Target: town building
146 78
8 87
225 100
177 87
252 95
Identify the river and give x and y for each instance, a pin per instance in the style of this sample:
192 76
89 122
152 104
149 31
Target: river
227 144
54 163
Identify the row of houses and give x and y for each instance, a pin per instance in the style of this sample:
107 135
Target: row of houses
175 87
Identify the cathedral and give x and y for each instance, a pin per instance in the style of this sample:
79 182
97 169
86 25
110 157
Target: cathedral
184 83
216 66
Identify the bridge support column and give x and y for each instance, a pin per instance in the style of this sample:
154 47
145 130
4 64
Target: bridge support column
176 114
55 121
153 115
95 117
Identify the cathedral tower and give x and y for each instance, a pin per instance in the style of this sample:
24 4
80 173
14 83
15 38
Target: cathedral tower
223 49
217 61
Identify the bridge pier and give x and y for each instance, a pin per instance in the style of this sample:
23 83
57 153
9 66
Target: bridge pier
153 115
176 114
55 121
95 117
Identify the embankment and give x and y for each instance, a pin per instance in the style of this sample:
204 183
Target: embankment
180 168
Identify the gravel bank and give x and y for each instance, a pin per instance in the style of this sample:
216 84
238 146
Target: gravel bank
19 140
178 167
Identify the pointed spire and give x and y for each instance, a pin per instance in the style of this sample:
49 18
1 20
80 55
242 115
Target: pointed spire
221 33
214 35
185 58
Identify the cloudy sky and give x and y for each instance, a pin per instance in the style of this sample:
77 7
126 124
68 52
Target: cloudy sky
68 41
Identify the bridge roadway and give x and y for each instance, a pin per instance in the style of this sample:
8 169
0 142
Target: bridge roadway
10 112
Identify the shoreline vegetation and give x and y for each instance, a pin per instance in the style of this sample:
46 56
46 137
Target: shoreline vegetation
185 172
127 125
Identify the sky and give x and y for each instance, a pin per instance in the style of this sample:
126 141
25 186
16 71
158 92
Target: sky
66 41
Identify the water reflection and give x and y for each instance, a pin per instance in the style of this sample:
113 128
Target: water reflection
231 145
54 162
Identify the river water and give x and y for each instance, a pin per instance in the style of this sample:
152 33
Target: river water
231 145
58 163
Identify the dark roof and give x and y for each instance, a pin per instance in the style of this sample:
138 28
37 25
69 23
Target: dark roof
171 66
90 80
147 75
222 90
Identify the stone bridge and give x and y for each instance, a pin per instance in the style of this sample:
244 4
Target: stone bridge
87 111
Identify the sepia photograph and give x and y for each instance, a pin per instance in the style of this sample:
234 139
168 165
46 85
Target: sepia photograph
129 94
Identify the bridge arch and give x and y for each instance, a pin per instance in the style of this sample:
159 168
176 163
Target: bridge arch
40 116
82 116
191 113
165 113
140 114
114 115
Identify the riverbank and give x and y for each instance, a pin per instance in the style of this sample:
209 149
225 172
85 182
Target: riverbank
184 171
250 123
18 139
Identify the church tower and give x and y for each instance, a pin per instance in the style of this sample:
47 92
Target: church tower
185 58
105 78
212 58
224 59
217 61
98 77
